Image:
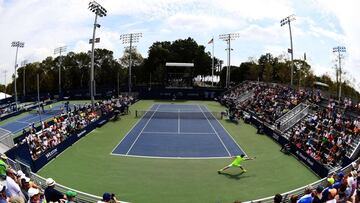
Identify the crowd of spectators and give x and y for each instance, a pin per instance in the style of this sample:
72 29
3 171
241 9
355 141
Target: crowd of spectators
327 134
269 101
7 109
70 122
339 188
17 187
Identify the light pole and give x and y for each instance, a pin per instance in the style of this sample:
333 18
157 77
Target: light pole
130 39
227 38
5 71
16 44
23 64
283 22
101 12
60 50
339 50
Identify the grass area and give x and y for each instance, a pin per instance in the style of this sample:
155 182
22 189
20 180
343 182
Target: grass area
89 167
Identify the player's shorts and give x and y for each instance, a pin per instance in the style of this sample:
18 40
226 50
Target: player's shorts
234 165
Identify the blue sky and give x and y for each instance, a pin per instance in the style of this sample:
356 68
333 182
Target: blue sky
319 26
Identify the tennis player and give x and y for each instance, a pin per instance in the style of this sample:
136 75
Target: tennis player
236 163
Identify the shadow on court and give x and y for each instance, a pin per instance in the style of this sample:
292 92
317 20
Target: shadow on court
236 176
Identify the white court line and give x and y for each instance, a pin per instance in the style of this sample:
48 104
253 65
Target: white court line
215 132
142 130
185 133
178 121
169 157
22 122
140 119
229 134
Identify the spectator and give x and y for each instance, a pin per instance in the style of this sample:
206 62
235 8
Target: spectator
3 197
16 199
25 186
3 166
34 195
307 197
294 198
277 198
51 194
317 194
106 198
12 188
325 192
331 196
70 196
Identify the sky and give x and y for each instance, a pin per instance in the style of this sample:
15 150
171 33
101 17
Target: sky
319 25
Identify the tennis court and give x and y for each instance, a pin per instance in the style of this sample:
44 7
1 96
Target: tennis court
33 117
178 131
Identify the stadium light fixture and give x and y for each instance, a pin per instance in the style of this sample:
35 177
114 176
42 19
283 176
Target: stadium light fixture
59 51
101 12
18 45
227 38
130 39
283 22
339 50
23 64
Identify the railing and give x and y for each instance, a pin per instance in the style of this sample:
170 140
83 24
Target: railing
81 197
6 138
245 96
291 113
299 191
294 119
355 151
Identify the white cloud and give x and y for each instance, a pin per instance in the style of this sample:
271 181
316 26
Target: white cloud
44 25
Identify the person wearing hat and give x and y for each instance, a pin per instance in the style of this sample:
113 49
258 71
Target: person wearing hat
51 194
338 181
70 196
34 195
108 198
325 192
3 166
25 186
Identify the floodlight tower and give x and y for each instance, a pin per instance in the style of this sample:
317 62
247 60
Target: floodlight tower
5 71
23 64
59 51
283 22
18 45
339 50
130 39
101 12
227 38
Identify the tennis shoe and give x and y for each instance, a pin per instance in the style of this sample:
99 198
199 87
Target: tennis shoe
219 172
244 171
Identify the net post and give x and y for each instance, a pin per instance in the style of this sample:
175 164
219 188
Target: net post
136 113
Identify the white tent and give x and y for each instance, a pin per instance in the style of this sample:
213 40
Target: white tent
3 95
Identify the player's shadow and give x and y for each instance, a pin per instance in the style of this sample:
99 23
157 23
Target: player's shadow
236 176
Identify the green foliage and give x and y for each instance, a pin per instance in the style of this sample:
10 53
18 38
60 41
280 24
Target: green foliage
75 69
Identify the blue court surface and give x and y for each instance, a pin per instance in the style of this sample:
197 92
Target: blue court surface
24 122
178 131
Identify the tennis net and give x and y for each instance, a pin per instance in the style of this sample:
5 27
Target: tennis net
178 114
